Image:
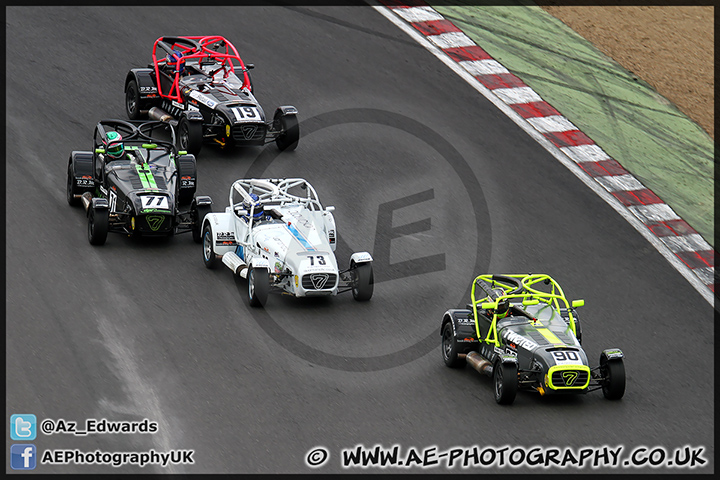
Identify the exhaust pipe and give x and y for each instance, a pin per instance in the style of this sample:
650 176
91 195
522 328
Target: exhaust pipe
235 263
86 200
156 113
479 363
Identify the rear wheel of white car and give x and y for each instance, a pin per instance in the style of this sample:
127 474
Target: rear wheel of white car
209 256
505 379
98 224
363 281
613 372
258 286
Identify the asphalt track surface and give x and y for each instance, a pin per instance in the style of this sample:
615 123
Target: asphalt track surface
391 137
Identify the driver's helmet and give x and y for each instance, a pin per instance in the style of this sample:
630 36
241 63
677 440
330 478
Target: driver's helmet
114 145
503 306
259 210
176 59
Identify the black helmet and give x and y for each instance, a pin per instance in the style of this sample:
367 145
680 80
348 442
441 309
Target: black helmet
502 307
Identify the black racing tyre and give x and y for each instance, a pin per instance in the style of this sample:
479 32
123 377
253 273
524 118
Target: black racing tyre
251 84
578 329
363 281
189 136
613 372
258 286
187 167
98 225
132 101
288 140
71 190
505 381
198 215
449 348
209 256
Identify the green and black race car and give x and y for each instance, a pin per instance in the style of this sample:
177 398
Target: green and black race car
522 331
135 182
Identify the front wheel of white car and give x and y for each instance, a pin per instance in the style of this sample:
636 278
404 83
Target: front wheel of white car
258 286
363 281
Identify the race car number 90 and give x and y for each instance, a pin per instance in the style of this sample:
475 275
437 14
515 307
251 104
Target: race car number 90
568 357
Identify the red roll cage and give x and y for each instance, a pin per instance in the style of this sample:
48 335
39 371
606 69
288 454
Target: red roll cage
207 49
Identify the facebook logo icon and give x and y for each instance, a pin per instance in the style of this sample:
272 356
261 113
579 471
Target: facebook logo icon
22 457
23 427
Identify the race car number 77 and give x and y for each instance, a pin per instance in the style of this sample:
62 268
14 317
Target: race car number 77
154 201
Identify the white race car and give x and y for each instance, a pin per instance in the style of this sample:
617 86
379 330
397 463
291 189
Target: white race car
276 234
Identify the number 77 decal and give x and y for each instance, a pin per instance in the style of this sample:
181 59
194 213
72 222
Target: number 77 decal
154 201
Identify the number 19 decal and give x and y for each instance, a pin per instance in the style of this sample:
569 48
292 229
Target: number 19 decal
246 114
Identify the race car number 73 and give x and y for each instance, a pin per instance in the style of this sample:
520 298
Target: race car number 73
320 259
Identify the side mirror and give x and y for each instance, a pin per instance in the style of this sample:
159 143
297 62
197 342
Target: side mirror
577 303
330 209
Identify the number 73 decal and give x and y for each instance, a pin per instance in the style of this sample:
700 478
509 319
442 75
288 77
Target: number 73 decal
320 259
154 201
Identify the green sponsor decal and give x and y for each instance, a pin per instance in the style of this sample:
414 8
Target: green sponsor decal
152 210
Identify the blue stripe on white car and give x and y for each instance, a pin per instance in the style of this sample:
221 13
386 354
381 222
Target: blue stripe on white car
299 237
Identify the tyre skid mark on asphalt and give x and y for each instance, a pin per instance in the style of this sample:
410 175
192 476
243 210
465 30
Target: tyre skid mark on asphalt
143 398
693 256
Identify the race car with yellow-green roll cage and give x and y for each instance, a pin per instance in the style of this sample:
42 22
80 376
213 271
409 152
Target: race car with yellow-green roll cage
522 331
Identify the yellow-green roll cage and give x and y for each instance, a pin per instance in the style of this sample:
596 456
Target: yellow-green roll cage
529 296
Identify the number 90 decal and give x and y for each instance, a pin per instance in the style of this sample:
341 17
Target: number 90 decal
566 357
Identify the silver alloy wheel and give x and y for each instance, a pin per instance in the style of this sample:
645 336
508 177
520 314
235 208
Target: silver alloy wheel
251 284
207 246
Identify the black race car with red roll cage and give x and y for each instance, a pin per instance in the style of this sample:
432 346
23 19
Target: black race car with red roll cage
147 190
201 86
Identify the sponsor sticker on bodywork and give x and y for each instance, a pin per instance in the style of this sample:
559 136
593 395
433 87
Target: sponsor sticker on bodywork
519 340
202 98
